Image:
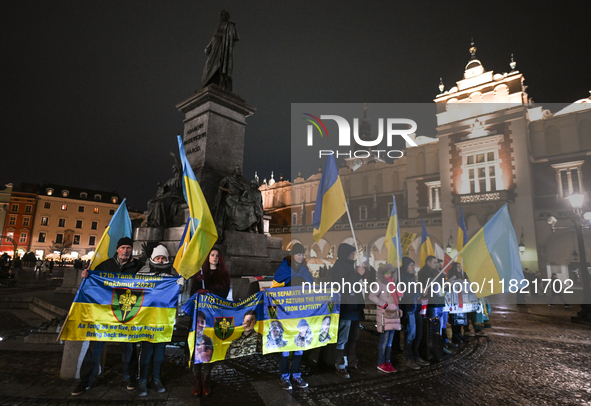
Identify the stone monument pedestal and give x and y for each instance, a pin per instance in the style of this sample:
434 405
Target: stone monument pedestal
215 122
72 280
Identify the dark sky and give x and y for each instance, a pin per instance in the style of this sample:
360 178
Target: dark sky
89 88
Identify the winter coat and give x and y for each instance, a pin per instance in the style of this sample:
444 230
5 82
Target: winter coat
352 304
286 274
408 302
387 320
427 274
113 265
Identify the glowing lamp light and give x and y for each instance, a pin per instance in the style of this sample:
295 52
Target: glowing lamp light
587 216
521 247
576 200
448 249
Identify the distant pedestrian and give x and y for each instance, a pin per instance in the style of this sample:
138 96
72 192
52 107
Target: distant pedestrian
556 292
51 266
16 266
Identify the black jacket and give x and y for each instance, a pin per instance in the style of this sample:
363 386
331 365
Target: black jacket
352 304
428 274
113 265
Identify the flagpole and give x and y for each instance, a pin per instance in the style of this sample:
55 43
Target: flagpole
353 232
443 270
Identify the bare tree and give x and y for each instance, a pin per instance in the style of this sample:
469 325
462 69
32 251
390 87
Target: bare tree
65 245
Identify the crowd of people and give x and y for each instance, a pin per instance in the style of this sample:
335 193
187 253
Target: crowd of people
396 313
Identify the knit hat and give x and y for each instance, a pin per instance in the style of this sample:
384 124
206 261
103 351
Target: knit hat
297 248
124 241
160 250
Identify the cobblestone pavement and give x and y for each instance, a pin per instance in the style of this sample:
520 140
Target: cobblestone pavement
534 355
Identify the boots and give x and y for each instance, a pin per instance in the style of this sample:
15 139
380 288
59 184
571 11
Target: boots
197 387
205 385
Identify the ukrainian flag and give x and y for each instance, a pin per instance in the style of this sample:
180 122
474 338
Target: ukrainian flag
330 202
119 227
492 255
392 241
426 246
201 234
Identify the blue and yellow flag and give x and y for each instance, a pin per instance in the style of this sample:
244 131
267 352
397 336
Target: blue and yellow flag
119 227
330 202
202 235
462 234
492 255
426 246
392 240
123 307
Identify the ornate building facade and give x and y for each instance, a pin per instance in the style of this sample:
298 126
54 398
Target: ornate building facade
493 146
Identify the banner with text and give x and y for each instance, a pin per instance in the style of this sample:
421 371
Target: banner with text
123 307
276 320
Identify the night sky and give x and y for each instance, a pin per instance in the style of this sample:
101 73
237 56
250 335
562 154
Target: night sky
89 88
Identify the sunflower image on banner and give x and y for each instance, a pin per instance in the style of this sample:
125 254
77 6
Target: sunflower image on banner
123 307
298 321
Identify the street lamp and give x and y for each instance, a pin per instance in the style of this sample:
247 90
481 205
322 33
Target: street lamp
576 200
521 244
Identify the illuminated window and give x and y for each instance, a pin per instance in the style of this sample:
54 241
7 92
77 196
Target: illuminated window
59 238
14 207
78 223
434 195
94 225
47 205
12 221
80 209
96 210
26 220
44 221
569 177
64 207
49 191
76 239
41 237
91 240
481 169
114 199
61 223
23 237
363 213
65 193
28 209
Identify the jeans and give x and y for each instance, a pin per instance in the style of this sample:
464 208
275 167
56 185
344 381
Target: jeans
385 346
91 362
295 364
147 349
346 342
414 333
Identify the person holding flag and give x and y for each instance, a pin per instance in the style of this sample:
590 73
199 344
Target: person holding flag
114 258
213 278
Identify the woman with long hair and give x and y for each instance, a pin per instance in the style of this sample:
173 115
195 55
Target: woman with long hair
212 278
